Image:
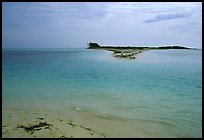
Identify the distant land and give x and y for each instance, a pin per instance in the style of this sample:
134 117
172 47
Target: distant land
129 52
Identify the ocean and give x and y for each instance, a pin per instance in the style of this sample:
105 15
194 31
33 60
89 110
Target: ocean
160 91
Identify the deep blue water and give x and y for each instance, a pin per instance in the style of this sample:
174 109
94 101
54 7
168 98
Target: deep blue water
158 86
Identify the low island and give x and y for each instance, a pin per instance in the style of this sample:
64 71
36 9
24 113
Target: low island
129 52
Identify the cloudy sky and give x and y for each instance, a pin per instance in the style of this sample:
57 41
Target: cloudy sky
74 24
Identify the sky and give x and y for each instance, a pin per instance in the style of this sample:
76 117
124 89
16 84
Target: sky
74 24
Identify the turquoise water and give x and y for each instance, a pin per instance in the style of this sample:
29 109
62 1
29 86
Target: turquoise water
158 87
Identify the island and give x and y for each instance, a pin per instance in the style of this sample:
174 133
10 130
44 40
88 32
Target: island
129 52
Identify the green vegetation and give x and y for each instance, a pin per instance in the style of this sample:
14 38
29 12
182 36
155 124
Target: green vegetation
93 45
173 47
97 46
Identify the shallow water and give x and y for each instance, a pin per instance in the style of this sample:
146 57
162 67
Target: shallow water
161 90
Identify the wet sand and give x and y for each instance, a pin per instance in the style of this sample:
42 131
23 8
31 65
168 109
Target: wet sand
46 125
72 124
28 124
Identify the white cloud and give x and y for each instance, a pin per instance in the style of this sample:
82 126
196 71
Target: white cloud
116 23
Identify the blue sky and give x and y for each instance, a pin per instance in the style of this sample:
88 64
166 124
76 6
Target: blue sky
74 24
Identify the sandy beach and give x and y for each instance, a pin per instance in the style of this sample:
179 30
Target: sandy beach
38 124
75 124
46 125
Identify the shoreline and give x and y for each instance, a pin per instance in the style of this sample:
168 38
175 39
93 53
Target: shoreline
74 124
37 124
